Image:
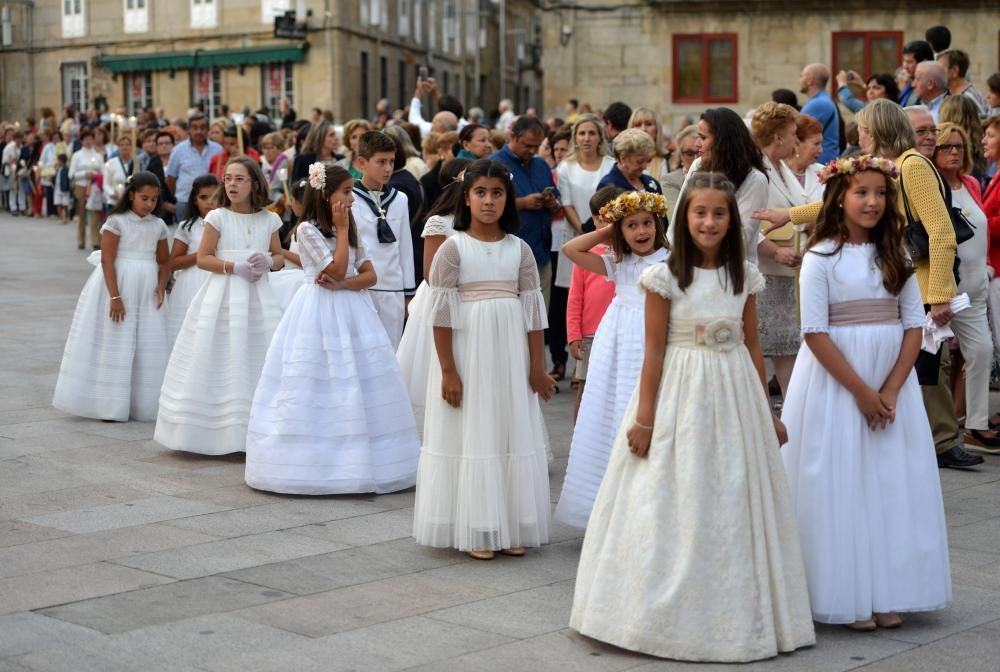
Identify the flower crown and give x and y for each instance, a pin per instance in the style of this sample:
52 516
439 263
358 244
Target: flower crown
853 165
317 175
632 202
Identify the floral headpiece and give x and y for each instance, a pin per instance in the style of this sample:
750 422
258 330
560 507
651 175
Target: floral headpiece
632 202
857 164
317 175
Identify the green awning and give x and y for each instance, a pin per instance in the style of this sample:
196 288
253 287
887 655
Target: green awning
206 58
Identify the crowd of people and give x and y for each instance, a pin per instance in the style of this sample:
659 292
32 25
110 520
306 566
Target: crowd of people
366 307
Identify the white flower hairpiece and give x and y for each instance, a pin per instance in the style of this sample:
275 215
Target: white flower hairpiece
632 202
317 176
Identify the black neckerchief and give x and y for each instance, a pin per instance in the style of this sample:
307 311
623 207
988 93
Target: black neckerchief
379 208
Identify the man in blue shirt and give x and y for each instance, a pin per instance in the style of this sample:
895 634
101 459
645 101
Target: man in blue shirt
537 196
914 52
189 160
821 107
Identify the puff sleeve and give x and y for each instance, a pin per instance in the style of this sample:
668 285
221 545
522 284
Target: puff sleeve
911 306
313 246
113 225
659 280
753 278
437 226
814 294
529 290
443 301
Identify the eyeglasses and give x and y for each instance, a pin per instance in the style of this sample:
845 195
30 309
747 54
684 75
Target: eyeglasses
235 179
922 132
690 153
952 148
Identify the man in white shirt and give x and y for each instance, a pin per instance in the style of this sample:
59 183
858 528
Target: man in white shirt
117 170
448 119
930 81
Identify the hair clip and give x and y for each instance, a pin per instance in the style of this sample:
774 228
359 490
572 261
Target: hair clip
317 175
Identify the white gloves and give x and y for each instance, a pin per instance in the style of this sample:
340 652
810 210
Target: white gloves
261 261
247 271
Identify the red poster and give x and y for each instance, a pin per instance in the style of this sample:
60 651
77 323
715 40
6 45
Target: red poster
138 88
204 84
274 79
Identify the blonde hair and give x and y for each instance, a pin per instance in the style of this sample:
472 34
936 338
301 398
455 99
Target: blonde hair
769 119
946 129
640 113
353 125
889 127
632 142
277 138
602 143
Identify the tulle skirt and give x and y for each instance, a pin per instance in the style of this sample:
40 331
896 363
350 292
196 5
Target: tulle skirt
285 283
416 354
331 414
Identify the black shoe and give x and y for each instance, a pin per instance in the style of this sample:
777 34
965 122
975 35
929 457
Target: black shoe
957 458
80 246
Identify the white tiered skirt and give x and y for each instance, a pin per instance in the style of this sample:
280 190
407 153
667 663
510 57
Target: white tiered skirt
186 285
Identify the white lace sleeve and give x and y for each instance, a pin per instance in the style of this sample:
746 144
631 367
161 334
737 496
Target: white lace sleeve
754 279
312 245
443 308
911 305
814 294
659 280
437 226
530 290
113 225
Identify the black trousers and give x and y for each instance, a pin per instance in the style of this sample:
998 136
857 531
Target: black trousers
557 317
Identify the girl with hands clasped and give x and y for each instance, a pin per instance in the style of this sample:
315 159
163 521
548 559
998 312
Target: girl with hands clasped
331 415
117 346
188 278
695 468
635 233
860 457
219 351
483 483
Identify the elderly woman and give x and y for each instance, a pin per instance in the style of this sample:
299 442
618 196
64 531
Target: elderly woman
475 141
774 130
687 141
803 163
353 130
953 159
645 118
633 150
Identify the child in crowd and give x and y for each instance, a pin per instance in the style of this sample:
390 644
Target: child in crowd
483 483
590 294
331 414
860 457
95 202
117 347
188 278
219 352
10 164
383 220
691 551
635 231
286 282
61 188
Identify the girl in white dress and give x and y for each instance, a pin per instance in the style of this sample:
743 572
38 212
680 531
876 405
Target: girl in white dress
860 457
216 361
635 231
483 483
416 349
691 552
117 346
331 415
188 278
286 282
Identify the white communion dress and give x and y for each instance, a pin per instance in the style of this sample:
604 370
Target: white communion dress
285 282
331 415
219 352
870 514
113 371
187 281
483 480
691 552
615 363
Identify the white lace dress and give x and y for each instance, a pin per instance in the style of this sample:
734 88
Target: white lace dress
615 363
219 352
416 354
330 415
483 480
113 371
187 281
870 514
691 553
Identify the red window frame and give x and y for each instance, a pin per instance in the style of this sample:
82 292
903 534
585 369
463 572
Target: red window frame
868 35
705 38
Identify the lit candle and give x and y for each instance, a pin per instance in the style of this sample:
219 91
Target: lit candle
135 154
239 137
283 176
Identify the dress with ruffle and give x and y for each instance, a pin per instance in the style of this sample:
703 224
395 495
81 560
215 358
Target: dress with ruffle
483 479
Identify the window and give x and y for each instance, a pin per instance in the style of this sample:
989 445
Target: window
207 90
418 28
276 82
203 13
138 91
432 12
449 27
136 16
375 13
404 95
404 18
868 53
272 8
74 86
364 11
383 77
365 85
73 23
705 68
447 81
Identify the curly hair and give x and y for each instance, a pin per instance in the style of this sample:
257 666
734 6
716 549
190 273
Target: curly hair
769 119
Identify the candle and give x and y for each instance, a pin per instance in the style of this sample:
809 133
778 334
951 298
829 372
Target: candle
239 137
135 154
283 176
111 119
798 299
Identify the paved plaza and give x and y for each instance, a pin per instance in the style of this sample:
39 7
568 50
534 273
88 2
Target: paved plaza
117 555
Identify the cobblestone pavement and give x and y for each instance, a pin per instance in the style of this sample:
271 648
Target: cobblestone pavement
118 555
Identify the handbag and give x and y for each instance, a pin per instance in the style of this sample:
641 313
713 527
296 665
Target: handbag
915 235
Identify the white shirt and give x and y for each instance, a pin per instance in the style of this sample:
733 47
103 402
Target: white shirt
783 191
83 160
972 253
417 118
116 174
393 262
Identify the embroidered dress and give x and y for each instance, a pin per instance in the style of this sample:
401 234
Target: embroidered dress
219 352
113 371
187 281
691 553
330 415
483 481
612 373
870 514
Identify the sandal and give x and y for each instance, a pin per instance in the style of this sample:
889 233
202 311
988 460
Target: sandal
862 626
516 551
558 372
481 555
889 620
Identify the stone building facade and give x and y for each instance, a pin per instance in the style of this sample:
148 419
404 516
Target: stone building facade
682 56
343 55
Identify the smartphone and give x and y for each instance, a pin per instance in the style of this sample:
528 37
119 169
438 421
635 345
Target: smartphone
850 76
548 191
422 73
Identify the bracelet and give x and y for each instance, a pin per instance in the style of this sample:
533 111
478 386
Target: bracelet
116 298
641 426
224 271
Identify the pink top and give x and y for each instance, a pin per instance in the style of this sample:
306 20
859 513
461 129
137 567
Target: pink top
590 295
